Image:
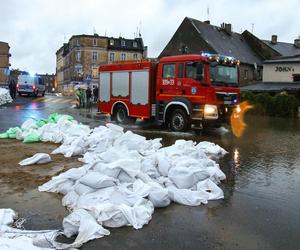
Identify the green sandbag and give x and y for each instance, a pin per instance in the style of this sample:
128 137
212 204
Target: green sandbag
32 137
4 136
12 132
41 122
53 118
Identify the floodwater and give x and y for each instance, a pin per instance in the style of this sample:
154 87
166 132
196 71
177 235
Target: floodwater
260 209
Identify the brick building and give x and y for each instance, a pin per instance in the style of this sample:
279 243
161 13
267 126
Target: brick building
78 60
4 62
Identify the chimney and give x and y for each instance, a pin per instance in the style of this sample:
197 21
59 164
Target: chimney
297 42
207 22
274 39
228 28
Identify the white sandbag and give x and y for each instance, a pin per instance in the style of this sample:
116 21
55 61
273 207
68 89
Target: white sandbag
54 184
163 164
97 180
7 216
5 96
80 222
29 124
216 174
211 149
159 197
187 177
70 199
187 197
39 158
81 189
108 214
214 192
115 128
107 169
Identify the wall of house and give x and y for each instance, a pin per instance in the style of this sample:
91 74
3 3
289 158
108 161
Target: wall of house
247 74
280 72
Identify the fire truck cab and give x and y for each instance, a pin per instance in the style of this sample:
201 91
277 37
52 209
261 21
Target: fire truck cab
177 91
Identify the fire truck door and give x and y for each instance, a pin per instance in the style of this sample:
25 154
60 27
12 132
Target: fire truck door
168 85
193 76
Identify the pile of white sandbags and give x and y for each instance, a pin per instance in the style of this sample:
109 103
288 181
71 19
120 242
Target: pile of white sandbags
125 176
5 96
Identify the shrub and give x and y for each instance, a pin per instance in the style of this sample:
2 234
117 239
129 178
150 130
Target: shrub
266 101
282 105
248 96
286 105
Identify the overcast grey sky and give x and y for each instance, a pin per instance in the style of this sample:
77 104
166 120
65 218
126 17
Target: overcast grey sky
35 29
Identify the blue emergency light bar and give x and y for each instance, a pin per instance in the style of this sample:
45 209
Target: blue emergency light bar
221 58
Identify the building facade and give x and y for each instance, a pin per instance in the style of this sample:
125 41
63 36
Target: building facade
284 69
77 61
4 62
49 81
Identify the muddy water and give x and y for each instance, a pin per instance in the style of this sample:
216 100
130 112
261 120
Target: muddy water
260 209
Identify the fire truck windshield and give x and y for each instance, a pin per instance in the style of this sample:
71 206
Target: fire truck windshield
222 75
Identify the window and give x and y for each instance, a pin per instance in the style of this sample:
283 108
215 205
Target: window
180 70
194 70
135 56
123 56
111 57
134 44
245 74
169 70
95 56
94 42
77 42
78 70
111 42
78 56
123 43
221 75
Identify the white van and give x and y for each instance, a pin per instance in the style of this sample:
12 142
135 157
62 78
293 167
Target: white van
30 85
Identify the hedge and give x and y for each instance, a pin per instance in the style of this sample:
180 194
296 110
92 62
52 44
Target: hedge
281 105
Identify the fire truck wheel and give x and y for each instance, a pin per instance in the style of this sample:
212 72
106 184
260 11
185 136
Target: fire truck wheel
179 121
120 115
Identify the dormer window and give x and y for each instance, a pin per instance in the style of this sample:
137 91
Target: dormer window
123 43
134 44
111 42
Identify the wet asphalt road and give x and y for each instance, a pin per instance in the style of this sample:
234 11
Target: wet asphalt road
262 200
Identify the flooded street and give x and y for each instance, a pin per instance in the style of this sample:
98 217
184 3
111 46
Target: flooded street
260 209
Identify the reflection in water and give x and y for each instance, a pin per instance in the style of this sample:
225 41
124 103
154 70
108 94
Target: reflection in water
237 122
236 158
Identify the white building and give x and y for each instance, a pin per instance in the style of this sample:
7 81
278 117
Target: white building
284 69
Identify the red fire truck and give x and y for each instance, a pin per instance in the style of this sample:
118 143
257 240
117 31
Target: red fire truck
177 91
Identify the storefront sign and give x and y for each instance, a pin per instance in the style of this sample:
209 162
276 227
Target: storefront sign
284 69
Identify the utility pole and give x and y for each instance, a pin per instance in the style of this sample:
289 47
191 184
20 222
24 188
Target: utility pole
252 27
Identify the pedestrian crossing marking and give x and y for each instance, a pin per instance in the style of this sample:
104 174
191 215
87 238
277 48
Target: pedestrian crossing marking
54 100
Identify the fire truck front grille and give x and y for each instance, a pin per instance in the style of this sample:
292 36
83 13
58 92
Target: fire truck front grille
225 97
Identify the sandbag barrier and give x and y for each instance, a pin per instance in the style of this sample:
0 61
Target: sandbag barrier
5 96
125 176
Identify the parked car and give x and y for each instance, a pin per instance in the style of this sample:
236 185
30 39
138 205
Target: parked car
31 85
